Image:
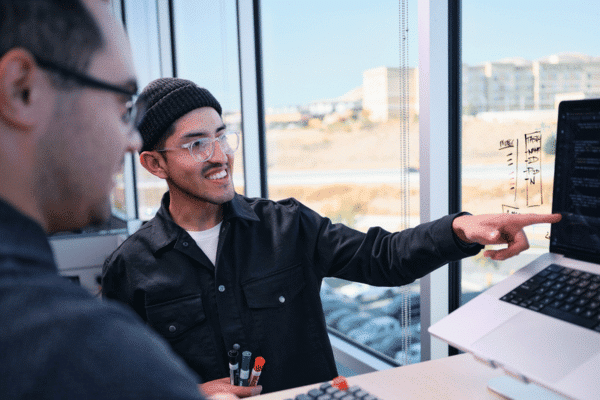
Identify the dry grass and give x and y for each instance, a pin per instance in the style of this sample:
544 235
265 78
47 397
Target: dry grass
343 198
352 147
378 147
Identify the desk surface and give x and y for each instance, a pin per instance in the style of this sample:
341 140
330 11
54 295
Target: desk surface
457 377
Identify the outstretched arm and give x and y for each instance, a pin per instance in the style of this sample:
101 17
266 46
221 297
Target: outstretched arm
499 229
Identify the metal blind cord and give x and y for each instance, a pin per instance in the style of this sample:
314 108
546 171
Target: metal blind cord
404 162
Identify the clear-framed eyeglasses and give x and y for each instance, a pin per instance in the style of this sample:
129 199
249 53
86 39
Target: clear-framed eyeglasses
203 149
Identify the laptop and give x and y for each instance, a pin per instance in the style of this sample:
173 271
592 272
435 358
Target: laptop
542 324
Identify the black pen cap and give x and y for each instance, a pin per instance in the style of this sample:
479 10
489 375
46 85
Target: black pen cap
233 354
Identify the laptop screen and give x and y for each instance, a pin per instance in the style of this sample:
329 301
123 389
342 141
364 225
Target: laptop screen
577 181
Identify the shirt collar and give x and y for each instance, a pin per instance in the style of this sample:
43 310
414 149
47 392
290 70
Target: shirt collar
239 208
164 230
22 237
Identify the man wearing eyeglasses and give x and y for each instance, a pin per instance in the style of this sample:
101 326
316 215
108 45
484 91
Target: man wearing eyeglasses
67 118
214 268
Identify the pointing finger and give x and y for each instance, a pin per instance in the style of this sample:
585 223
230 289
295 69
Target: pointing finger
530 219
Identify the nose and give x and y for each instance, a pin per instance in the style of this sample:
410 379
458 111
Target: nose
218 156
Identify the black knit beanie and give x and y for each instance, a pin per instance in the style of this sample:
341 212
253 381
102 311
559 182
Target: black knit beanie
166 100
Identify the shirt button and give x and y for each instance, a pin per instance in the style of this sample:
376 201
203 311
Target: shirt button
172 328
281 299
221 288
184 244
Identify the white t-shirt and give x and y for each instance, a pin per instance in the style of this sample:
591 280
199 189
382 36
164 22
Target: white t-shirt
208 240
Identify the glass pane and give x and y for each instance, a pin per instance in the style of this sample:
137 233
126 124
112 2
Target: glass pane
207 54
142 29
517 67
335 141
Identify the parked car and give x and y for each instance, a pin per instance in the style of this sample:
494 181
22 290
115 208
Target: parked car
394 306
352 321
334 316
412 356
375 293
389 344
333 301
326 288
393 343
376 329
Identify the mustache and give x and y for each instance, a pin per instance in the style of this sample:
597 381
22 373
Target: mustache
212 166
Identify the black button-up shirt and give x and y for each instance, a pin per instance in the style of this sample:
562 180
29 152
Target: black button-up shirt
264 292
57 341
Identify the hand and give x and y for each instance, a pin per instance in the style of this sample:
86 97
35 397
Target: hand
222 386
499 229
223 396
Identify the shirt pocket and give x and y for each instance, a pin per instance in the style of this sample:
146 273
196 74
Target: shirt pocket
276 290
175 317
285 324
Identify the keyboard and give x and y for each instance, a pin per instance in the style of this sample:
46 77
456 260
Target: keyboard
327 391
564 293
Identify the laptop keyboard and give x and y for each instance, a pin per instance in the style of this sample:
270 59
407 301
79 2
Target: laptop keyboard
564 293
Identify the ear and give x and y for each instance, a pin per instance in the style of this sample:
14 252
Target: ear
154 163
21 90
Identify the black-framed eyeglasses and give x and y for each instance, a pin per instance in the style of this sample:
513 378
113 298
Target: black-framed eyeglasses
134 109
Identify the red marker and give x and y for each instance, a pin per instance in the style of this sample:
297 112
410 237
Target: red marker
340 383
258 365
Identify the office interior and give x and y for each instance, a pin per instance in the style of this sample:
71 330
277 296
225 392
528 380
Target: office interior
386 119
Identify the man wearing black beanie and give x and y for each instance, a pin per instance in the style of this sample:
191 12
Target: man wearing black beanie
214 268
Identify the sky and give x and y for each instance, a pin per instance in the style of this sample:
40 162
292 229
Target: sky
318 49
531 29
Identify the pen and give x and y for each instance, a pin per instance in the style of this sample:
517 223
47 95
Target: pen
245 371
258 365
233 363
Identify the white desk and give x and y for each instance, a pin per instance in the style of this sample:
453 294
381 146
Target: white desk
457 377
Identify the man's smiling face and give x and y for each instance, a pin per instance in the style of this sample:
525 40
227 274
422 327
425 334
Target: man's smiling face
209 181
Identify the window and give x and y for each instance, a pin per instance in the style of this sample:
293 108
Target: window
206 52
342 138
508 156
142 23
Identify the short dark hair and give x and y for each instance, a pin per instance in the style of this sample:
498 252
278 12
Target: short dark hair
162 142
61 31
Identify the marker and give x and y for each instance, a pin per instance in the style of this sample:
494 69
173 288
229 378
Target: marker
340 382
258 365
233 363
245 371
